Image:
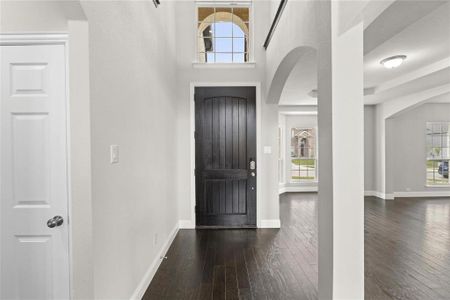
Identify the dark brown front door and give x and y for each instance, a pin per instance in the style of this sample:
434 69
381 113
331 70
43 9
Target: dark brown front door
225 156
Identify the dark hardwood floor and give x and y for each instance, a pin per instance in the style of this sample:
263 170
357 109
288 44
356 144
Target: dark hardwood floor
407 248
407 255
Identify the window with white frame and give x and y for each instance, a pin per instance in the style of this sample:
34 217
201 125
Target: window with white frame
223 33
303 155
280 156
438 155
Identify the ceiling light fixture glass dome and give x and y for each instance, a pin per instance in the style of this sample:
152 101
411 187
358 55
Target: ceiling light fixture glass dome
393 61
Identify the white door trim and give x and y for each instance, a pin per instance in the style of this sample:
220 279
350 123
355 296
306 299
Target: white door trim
190 224
52 38
33 38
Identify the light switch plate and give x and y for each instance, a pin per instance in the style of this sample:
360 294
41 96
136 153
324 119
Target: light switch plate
114 154
267 150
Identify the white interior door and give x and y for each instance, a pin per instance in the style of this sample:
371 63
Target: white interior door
34 257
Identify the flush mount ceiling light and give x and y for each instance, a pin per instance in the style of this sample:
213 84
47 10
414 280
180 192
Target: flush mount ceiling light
393 61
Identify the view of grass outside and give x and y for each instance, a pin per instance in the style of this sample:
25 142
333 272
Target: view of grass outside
304 162
303 177
303 169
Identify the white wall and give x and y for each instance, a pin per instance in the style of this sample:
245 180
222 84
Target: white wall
295 29
383 180
187 73
32 16
369 147
408 149
133 105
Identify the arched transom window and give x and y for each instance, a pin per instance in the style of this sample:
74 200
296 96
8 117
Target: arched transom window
223 34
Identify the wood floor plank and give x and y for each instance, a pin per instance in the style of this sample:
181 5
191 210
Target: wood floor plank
407 255
219 282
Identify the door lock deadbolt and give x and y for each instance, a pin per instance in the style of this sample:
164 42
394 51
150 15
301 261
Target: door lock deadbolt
252 164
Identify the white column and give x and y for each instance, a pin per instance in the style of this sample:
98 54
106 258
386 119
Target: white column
341 148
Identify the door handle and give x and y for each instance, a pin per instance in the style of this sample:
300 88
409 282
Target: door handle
55 221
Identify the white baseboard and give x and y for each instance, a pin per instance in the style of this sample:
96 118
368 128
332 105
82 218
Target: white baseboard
407 194
151 271
422 194
379 195
369 193
274 223
297 189
186 224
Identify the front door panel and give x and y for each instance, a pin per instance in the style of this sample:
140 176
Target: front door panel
225 121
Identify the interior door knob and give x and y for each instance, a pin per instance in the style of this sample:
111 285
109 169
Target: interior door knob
55 221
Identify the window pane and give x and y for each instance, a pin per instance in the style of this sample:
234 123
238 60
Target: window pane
223 34
436 128
429 140
204 12
239 45
438 153
210 57
303 147
223 45
436 140
303 169
205 44
205 29
239 57
435 152
206 57
237 31
242 13
446 129
223 29
437 172
224 58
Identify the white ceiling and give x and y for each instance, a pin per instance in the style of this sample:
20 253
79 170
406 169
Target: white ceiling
423 36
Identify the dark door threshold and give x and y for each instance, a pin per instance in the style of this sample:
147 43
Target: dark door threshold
226 227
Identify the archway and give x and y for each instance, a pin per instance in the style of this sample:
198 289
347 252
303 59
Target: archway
291 60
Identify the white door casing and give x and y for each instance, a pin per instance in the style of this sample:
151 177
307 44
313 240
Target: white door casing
34 186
